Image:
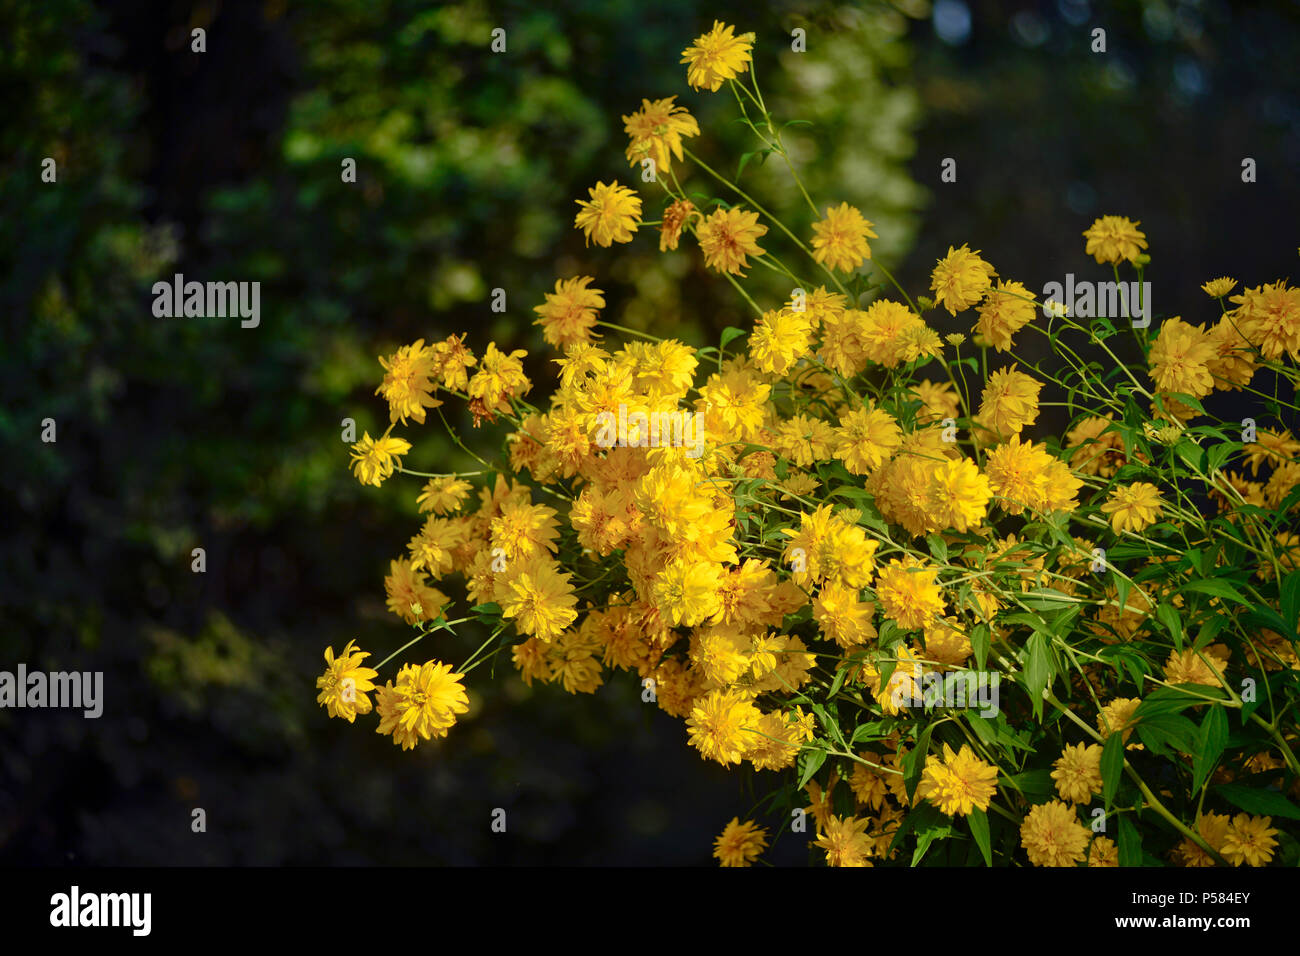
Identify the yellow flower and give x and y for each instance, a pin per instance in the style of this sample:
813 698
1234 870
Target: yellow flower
453 360
611 215
959 782
721 726
960 279
443 495
1180 359
538 596
373 459
569 313
1077 772
840 239
909 593
1249 840
1007 308
574 659
1103 852
1009 402
1117 716
958 495
727 236
842 617
780 338
675 218
717 56
740 843
1218 288
1269 317
499 378
407 385
409 597
1053 836
866 438
656 132
686 592
846 842
345 683
1133 507
522 530
1114 239
1018 474
1213 829
422 704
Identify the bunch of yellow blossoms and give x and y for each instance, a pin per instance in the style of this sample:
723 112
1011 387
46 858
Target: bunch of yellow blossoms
922 619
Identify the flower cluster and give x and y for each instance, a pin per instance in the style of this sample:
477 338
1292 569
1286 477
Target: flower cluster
845 555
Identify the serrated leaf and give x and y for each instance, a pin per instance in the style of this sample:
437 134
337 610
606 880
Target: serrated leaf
816 757
915 761
1169 617
1257 801
1038 669
1210 743
1217 587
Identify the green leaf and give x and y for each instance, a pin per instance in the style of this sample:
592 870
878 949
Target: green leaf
938 547
1257 801
1217 587
927 835
1038 669
487 610
731 332
1163 733
915 761
1112 767
1169 617
1130 843
979 641
816 757
1218 454
1211 741
1291 601
979 828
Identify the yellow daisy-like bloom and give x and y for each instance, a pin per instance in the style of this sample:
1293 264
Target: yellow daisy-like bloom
739 843
1018 474
575 659
611 215
374 459
500 377
721 726
1213 829
959 782
407 385
1117 716
959 495
1078 772
960 279
344 685
1009 402
938 401
1053 836
909 593
532 659
780 338
846 841
656 131
1180 359
727 236
443 495
893 333
1249 840
569 313
1114 239
866 438
454 361
1103 852
842 617
1197 666
1133 507
675 218
840 239
686 592
1269 316
1007 309
717 56
539 596
1218 288
522 530
409 597
1096 451
422 704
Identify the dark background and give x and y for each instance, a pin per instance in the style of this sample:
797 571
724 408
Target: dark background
183 433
